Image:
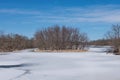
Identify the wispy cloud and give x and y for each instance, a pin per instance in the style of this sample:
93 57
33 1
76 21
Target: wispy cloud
18 11
107 13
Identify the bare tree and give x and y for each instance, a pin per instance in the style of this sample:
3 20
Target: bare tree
11 42
59 38
114 36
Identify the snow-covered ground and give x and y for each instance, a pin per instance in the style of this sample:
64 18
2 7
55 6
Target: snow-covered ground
92 65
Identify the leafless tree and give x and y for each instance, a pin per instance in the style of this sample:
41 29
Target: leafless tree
59 38
114 36
11 42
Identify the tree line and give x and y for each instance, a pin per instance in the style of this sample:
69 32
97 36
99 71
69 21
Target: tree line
51 38
58 38
100 42
11 42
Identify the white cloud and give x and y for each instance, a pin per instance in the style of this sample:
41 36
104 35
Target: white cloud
17 11
107 13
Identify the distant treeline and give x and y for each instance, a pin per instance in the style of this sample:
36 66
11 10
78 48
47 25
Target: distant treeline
51 38
100 42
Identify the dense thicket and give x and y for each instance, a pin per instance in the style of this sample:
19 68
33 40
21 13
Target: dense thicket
60 38
11 42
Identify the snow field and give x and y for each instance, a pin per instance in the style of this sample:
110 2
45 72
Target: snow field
90 65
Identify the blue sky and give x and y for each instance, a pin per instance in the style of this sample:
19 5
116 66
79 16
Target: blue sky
95 17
